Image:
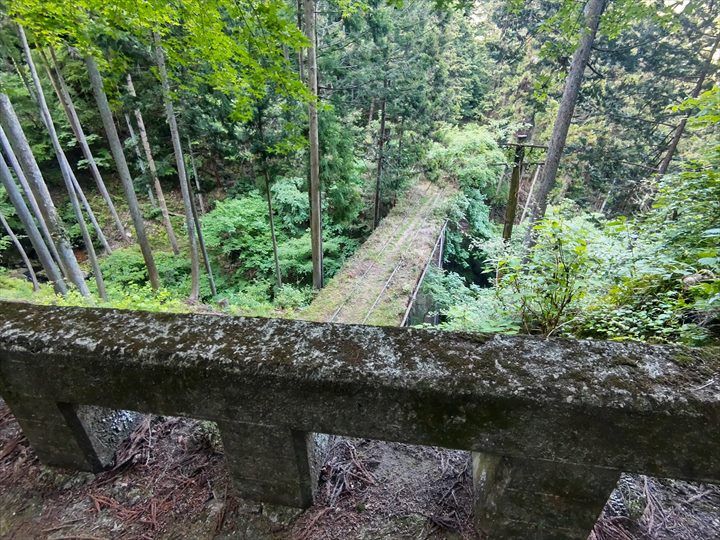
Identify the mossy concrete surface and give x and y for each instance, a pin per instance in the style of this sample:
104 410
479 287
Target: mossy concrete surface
611 406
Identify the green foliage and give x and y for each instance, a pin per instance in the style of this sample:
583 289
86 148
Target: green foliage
125 267
8 212
547 286
340 168
466 308
469 222
296 256
289 297
215 43
131 297
291 202
470 155
237 233
612 280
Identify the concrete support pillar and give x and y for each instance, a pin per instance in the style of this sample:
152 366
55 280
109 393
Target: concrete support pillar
273 464
71 436
539 500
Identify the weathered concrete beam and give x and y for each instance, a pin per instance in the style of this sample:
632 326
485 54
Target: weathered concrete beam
627 406
544 413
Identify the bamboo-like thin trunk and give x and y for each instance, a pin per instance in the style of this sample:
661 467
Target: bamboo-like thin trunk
313 136
141 163
23 77
371 114
123 170
63 94
89 211
301 63
201 241
23 153
21 251
182 174
278 274
604 203
81 194
530 193
51 269
65 169
195 176
381 146
153 171
30 196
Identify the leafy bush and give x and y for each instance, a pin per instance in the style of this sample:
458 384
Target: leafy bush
291 202
468 223
237 232
289 297
296 256
124 267
469 155
589 278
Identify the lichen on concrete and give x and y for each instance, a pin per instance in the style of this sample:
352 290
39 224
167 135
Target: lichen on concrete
562 400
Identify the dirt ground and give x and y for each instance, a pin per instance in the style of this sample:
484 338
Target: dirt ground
169 482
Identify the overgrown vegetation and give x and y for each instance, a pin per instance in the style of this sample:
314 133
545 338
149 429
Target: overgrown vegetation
627 250
653 277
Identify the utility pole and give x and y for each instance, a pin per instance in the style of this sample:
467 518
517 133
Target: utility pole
511 208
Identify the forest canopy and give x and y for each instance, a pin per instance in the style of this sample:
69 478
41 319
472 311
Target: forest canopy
233 156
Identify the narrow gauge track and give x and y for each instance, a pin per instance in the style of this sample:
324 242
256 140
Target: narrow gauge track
360 282
402 260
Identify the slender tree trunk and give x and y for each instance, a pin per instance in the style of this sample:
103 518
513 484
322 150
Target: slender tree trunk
48 213
34 208
195 176
301 63
381 146
89 211
401 136
66 171
182 174
371 114
122 168
593 12
605 201
268 193
80 193
201 241
315 204
672 148
141 163
153 171
51 269
78 190
530 193
23 76
63 94
21 251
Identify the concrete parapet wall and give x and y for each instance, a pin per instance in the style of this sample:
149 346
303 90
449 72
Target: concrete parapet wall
603 407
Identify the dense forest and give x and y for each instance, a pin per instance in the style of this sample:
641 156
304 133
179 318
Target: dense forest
231 156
